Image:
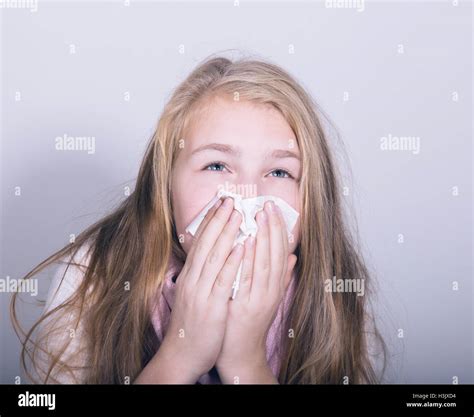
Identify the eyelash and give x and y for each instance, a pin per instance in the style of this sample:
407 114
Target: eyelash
222 164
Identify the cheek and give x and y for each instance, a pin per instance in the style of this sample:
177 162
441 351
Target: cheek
286 189
291 197
296 237
188 201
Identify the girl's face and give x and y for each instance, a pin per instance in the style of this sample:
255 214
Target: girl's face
243 147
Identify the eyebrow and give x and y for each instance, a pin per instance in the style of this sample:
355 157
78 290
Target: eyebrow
277 153
284 153
217 147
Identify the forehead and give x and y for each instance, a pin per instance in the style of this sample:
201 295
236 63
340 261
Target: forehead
240 123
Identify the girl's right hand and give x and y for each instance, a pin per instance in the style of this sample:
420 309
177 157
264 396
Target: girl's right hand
196 331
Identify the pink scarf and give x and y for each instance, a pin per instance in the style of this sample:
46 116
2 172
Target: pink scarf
161 313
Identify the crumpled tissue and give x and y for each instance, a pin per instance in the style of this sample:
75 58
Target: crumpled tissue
248 208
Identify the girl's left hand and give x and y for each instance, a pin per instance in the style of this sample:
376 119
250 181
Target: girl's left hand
266 273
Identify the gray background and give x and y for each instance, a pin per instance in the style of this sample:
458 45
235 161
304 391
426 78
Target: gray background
135 48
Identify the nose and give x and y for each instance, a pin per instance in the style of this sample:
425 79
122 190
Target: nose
246 184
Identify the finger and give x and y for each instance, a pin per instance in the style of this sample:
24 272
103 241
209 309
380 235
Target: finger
208 237
284 230
210 213
245 284
219 253
261 267
289 271
278 257
222 286
286 244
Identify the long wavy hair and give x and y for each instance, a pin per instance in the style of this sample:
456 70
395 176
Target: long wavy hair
132 245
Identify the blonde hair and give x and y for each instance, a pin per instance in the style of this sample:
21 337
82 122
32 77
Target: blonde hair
329 340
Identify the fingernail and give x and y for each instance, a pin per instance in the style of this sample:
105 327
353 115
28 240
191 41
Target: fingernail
271 206
228 202
262 215
218 203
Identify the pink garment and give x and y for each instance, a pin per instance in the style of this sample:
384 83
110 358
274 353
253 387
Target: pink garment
161 313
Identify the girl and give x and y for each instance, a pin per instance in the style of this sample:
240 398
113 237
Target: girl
142 301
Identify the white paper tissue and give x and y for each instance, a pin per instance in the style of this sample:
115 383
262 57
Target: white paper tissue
248 208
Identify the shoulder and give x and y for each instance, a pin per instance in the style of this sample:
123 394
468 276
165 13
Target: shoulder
67 277
61 337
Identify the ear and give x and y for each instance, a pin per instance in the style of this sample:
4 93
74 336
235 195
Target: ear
291 265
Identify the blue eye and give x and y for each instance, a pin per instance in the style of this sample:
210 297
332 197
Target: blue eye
285 173
219 167
213 166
